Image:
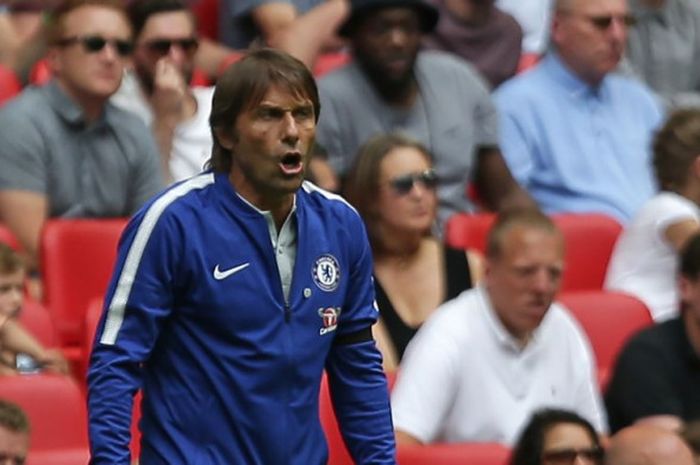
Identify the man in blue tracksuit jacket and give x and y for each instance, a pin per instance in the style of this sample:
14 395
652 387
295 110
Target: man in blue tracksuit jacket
233 291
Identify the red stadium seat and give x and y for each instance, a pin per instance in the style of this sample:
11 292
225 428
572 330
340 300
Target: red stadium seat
328 62
10 85
56 410
609 319
468 231
589 240
207 13
77 259
337 452
37 320
454 454
528 61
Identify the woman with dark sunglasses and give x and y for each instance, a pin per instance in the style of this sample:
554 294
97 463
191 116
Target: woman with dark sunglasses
557 437
392 185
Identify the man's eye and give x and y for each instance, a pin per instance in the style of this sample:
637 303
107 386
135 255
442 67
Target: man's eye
269 113
304 113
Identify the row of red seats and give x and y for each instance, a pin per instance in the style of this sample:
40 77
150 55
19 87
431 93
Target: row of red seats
589 240
77 258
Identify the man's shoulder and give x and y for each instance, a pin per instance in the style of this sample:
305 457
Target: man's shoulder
180 199
630 85
122 120
659 337
31 103
438 63
526 85
323 200
456 318
341 79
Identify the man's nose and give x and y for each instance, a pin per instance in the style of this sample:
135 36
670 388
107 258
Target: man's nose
291 128
397 36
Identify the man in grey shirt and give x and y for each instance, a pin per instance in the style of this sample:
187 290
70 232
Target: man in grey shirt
432 97
664 48
64 151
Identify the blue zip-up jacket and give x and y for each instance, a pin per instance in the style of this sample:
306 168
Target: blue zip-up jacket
195 314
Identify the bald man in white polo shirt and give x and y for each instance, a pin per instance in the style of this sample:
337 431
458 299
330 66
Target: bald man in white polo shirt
486 360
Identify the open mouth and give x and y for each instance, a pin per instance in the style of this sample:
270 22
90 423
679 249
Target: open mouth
291 163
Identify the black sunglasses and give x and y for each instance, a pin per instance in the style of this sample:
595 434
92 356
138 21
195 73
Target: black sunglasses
403 184
162 46
568 456
93 44
605 21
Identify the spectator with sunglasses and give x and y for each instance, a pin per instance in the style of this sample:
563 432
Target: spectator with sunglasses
648 445
392 185
435 97
575 134
663 48
65 151
557 437
159 91
485 361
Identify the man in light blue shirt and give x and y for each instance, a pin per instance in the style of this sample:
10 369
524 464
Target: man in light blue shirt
574 134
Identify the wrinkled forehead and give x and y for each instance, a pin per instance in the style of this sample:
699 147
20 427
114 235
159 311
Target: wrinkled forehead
594 7
292 91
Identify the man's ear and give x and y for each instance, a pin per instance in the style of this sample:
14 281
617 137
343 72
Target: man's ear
53 60
226 138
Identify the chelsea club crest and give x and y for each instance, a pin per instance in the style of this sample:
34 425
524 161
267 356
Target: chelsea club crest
326 273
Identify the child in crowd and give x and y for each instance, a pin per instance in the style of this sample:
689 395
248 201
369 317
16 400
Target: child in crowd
18 349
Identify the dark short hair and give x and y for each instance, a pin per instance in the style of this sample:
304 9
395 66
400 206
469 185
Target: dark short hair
245 83
690 258
362 185
56 15
13 418
141 10
10 261
507 219
530 445
676 146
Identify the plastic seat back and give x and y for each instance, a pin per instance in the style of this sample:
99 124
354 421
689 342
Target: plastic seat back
472 453
609 319
468 231
77 259
57 413
590 239
37 320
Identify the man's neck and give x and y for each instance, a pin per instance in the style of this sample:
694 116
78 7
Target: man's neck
279 206
398 95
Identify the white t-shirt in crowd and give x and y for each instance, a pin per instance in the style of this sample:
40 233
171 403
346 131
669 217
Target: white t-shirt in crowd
464 378
643 262
192 142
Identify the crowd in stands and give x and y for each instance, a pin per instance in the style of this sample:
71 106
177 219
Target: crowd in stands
516 111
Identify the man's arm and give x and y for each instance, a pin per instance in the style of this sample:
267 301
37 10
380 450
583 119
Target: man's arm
272 19
172 102
307 36
139 299
495 184
356 379
24 212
